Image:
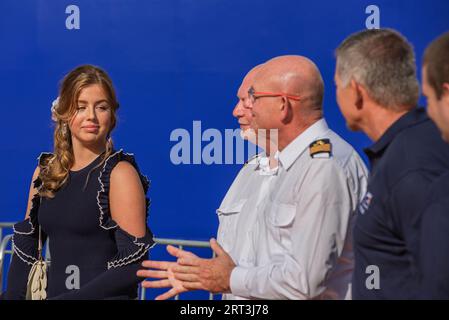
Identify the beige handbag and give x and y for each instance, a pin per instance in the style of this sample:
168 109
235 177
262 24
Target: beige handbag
37 279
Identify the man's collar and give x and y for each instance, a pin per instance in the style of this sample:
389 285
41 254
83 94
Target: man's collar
261 162
409 119
295 148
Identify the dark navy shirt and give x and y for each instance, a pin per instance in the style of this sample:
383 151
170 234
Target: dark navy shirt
405 161
434 251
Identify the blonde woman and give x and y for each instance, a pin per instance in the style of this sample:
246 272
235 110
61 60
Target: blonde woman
87 198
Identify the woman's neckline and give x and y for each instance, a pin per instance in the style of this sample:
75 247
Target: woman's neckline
87 166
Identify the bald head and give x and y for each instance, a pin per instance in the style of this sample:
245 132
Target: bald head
247 82
296 75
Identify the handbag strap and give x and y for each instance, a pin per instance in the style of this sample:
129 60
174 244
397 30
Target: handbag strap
39 247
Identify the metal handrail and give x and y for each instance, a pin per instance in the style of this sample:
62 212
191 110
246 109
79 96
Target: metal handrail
3 252
5 225
166 241
181 243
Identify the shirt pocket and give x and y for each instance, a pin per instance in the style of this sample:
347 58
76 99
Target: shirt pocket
228 216
282 215
231 208
280 221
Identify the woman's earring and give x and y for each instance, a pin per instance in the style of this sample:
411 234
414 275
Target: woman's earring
64 130
109 142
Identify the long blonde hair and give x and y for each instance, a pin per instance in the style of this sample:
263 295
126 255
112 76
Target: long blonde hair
54 170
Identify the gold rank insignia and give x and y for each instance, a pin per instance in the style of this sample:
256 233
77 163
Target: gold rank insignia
320 148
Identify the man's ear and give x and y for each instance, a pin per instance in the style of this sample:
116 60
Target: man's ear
286 110
445 93
359 93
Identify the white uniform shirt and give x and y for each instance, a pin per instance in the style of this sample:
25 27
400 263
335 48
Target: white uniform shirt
288 240
238 212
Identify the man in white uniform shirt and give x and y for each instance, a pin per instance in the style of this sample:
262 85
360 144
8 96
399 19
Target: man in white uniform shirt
238 211
294 244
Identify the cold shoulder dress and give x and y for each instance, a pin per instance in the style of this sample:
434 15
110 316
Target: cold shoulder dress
83 238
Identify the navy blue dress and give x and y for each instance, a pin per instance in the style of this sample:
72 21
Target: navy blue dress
83 237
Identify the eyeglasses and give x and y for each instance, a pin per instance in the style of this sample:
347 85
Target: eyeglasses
253 95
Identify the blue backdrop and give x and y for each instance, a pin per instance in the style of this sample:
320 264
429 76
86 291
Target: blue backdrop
172 62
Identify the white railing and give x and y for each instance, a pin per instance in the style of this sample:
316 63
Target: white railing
6 242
